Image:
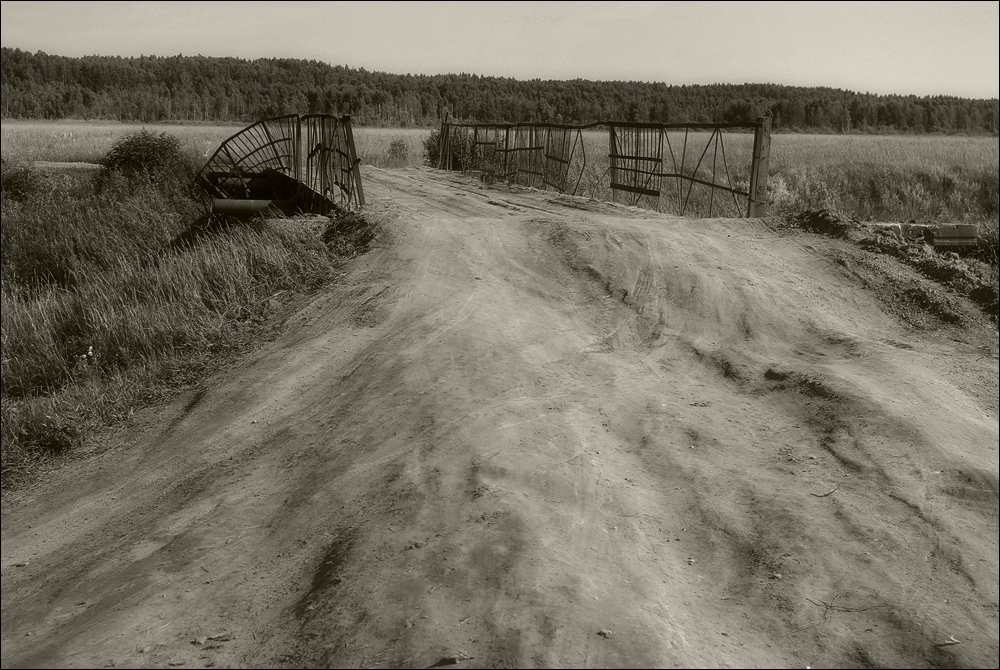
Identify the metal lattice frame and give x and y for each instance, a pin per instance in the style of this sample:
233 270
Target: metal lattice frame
526 160
265 165
331 167
560 145
541 155
266 146
636 163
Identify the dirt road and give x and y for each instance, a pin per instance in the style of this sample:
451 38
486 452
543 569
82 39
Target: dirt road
534 430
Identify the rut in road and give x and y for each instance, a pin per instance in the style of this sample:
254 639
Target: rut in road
532 430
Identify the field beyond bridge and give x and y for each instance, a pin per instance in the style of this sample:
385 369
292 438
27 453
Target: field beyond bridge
529 429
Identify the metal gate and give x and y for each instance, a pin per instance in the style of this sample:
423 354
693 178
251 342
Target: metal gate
680 168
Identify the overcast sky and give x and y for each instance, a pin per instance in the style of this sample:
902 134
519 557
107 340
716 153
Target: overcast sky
923 48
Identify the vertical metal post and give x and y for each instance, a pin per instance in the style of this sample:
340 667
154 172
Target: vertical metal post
355 161
612 155
443 144
297 153
758 169
506 154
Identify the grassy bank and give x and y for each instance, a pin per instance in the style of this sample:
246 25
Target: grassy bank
927 179
117 290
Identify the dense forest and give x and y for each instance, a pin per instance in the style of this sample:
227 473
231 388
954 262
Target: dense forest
198 88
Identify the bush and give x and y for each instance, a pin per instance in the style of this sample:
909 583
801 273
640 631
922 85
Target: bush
145 158
399 151
432 148
23 182
463 151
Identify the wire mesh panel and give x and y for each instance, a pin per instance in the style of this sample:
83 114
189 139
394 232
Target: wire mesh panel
329 164
636 156
698 184
238 166
526 158
559 144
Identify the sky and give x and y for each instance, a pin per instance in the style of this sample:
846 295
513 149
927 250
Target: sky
919 48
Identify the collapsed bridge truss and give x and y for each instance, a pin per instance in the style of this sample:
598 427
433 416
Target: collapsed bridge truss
289 163
676 167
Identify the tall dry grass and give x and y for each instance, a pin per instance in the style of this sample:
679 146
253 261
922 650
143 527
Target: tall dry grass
390 147
89 141
114 290
930 179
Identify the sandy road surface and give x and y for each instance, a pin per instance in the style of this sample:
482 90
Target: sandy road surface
520 421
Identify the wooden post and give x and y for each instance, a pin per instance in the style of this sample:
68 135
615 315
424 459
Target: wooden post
355 161
758 169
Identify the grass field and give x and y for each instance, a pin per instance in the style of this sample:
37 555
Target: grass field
88 141
103 310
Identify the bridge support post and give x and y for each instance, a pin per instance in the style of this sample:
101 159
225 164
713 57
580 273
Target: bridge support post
355 161
758 168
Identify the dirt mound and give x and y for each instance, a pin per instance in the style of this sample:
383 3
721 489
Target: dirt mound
531 434
964 274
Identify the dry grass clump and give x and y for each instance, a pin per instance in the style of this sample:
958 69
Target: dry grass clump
390 147
111 296
927 180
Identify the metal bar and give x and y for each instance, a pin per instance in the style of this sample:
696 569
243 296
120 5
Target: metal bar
706 183
634 189
680 186
698 165
583 166
715 161
612 154
729 180
355 161
751 125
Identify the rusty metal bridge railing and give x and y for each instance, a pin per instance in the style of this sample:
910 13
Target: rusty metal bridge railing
289 163
676 167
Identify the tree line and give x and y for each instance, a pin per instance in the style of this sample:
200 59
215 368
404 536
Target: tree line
198 88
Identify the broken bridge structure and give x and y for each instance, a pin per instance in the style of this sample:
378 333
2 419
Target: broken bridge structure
288 163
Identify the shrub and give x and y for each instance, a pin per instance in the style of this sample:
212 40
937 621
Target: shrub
145 158
399 151
432 148
462 149
23 182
